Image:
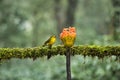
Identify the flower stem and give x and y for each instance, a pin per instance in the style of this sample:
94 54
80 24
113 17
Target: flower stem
68 66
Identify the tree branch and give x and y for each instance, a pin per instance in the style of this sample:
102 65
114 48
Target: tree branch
36 52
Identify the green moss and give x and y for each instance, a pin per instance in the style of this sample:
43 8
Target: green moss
99 51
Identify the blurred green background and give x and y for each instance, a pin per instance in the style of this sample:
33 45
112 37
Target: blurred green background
28 23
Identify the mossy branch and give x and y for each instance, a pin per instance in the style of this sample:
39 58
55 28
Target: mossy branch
99 51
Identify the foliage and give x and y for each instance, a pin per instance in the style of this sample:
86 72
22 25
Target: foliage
54 69
12 17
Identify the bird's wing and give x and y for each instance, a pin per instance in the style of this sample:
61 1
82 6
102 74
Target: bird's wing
47 41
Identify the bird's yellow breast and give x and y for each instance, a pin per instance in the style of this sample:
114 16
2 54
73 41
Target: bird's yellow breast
52 40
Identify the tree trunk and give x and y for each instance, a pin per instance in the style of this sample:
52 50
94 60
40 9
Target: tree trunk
67 18
70 13
115 20
59 15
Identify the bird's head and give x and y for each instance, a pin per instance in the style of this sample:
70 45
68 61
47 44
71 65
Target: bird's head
53 36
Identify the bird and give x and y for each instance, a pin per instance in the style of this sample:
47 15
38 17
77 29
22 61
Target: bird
50 42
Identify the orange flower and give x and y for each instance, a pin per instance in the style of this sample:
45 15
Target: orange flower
68 36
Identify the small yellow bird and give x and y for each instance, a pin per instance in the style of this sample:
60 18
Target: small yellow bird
50 41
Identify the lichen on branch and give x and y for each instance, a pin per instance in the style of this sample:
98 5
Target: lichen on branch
36 52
